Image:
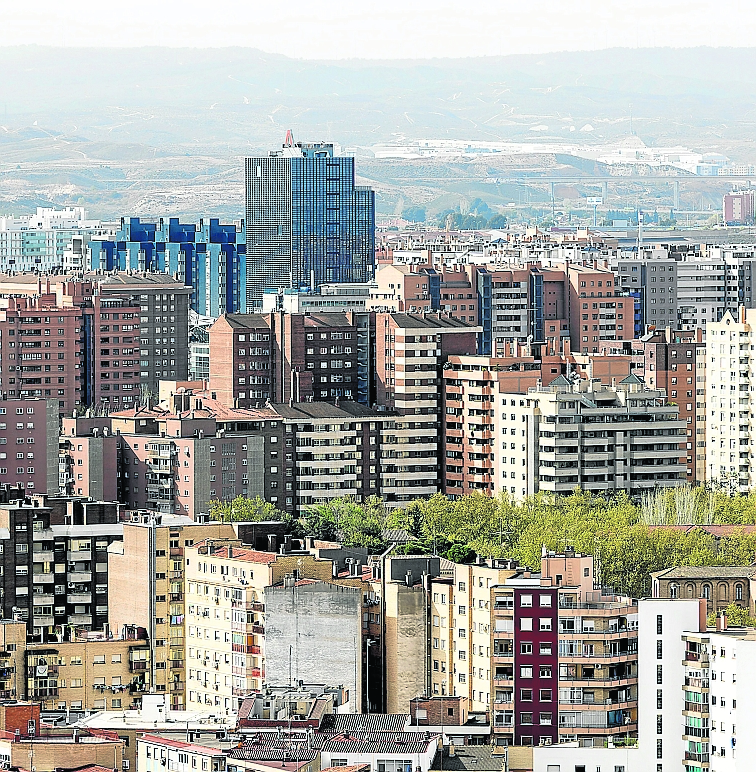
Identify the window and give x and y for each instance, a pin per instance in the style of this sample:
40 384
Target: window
545 601
658 624
526 601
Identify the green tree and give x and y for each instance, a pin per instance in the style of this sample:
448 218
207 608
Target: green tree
245 509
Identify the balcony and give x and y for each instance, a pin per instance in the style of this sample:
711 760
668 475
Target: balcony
79 597
137 665
241 648
78 577
81 619
44 578
44 693
177 686
43 556
78 555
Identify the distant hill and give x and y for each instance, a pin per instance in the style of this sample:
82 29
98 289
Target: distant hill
161 130
241 96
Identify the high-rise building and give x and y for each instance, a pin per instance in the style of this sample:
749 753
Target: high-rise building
206 256
307 221
96 323
730 375
255 358
410 354
146 589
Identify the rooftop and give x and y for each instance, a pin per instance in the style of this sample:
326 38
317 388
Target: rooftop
706 572
469 758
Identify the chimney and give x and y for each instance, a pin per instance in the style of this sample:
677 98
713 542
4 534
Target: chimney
721 622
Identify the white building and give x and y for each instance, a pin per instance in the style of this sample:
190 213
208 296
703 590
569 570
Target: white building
730 379
39 242
599 438
384 751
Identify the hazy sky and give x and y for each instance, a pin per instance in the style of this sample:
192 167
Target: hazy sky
384 29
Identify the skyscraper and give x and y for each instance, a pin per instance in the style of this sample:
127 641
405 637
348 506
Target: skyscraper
307 222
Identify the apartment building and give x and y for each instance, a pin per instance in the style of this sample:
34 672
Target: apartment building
88 458
12 659
54 566
154 714
675 361
729 378
599 438
27 742
292 455
411 352
89 673
28 437
206 256
545 657
473 387
38 242
226 636
116 332
565 657
256 358
146 589
599 310
155 753
686 290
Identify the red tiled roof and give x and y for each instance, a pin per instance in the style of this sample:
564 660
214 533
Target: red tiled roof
238 553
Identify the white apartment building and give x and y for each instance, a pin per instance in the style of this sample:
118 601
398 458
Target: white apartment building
38 242
587 435
730 379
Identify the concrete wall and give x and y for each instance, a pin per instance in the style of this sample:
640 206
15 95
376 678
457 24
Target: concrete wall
406 642
322 623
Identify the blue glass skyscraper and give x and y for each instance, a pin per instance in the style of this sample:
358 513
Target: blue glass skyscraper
307 222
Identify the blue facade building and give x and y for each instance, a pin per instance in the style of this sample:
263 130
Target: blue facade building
208 257
307 222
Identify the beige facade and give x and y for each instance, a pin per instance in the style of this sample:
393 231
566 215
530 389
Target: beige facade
88 675
12 659
146 588
225 626
595 437
49 754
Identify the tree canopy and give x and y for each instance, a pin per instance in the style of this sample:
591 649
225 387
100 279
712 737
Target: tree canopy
624 537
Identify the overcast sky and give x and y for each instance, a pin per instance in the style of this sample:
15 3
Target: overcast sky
330 29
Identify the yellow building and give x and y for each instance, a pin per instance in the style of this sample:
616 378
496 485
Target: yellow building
146 589
225 604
